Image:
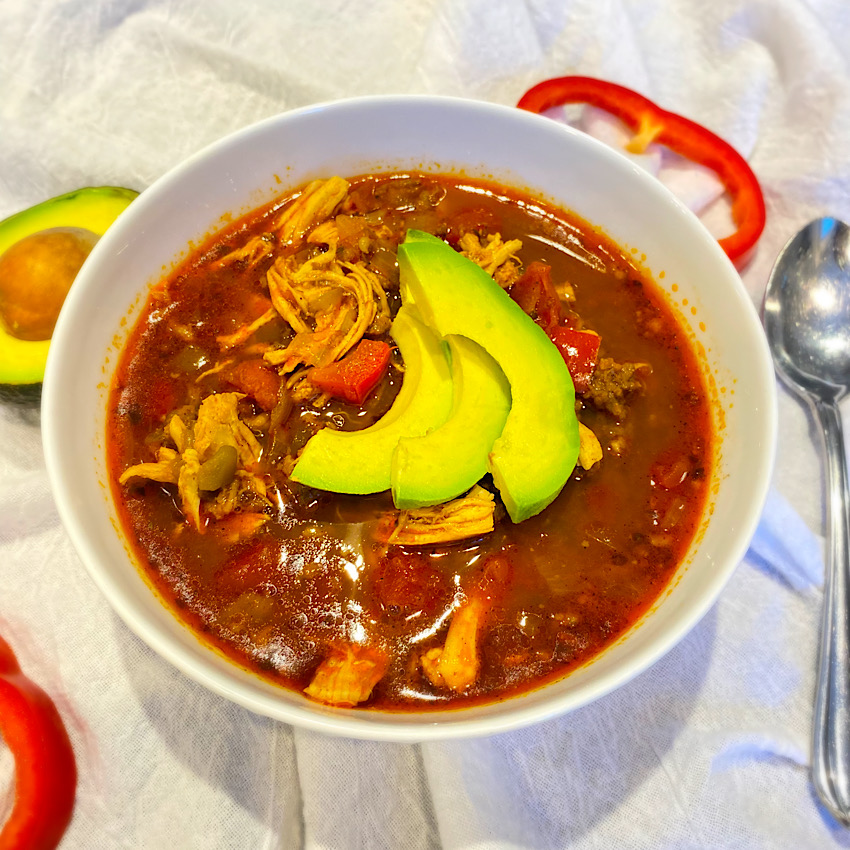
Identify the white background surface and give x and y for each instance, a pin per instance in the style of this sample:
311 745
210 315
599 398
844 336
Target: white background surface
710 747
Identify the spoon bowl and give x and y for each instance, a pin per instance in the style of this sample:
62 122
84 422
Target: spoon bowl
807 310
807 321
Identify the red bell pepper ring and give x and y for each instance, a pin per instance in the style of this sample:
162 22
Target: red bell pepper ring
580 350
355 376
45 771
651 123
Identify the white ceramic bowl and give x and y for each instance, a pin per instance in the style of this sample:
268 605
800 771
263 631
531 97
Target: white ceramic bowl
394 133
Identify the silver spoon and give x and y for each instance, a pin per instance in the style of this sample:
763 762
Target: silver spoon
807 319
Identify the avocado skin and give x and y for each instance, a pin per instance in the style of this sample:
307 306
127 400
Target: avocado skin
93 208
21 395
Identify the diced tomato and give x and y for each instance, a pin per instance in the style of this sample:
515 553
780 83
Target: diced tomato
579 350
536 295
247 569
669 474
491 578
405 583
353 378
257 380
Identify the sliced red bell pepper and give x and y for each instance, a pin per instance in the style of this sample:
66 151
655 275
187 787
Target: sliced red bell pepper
536 295
353 378
45 771
651 123
579 350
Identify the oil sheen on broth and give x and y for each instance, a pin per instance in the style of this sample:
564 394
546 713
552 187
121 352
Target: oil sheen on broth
214 398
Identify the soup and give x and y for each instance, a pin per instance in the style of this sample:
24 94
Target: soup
283 326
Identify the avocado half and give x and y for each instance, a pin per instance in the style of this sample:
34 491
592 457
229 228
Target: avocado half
94 209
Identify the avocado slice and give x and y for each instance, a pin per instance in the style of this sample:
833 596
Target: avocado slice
439 466
41 250
361 461
538 448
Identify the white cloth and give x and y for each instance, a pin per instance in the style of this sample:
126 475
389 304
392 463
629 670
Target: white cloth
707 749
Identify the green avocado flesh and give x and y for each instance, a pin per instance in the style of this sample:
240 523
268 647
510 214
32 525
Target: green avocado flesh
537 450
443 464
84 216
361 461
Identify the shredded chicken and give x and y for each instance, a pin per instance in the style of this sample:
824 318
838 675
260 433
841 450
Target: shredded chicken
187 487
496 257
254 250
285 296
301 388
217 425
239 527
589 451
242 334
455 665
468 516
165 470
348 675
329 305
313 205
179 433
214 370
225 501
327 233
318 347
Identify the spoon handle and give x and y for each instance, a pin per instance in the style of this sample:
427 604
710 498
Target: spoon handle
831 746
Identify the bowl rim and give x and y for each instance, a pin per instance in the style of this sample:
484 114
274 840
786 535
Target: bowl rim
430 725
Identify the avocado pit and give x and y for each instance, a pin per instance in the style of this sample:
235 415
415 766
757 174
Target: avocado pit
41 250
35 276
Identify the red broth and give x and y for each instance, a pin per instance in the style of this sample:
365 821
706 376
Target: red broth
288 579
